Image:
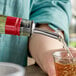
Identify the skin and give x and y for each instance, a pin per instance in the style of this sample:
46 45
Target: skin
41 48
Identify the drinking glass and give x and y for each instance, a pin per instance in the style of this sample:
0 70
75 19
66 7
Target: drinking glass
65 65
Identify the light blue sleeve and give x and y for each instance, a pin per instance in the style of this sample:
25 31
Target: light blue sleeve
57 13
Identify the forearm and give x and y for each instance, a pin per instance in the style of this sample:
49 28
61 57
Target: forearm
40 45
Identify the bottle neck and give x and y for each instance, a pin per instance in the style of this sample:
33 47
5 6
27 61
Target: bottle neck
27 27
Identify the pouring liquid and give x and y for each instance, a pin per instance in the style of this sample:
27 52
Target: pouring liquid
69 54
71 60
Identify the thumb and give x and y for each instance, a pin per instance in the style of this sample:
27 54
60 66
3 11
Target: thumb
51 73
51 70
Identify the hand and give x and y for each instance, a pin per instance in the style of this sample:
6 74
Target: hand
47 62
41 48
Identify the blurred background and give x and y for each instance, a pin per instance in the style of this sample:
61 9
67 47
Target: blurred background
73 25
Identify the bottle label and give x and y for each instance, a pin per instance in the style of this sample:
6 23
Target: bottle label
2 24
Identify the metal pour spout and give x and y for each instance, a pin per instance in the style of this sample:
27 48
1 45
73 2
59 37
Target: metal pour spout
54 35
28 28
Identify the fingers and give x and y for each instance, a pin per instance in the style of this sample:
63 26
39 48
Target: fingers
72 48
49 67
63 49
51 71
52 51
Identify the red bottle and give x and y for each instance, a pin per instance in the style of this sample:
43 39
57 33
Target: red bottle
15 26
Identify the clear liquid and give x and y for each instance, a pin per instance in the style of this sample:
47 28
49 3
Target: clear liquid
68 51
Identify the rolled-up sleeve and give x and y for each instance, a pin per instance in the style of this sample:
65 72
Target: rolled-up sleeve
57 13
